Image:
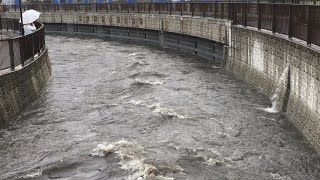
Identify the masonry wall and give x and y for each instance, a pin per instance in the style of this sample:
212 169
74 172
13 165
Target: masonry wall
19 88
207 28
261 59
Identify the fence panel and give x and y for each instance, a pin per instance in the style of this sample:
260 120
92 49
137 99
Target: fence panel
239 13
16 52
252 15
282 13
27 47
5 55
266 16
315 25
299 22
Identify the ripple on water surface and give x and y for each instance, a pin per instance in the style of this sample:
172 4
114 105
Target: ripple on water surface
114 110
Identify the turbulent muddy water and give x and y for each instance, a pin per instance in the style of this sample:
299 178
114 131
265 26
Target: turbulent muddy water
114 110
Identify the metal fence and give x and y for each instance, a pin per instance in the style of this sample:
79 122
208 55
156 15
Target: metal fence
291 18
17 51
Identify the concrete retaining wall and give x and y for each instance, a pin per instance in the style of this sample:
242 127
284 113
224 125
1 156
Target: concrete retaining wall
19 88
261 59
199 46
207 28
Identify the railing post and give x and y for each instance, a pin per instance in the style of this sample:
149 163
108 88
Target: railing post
259 16
215 10
39 40
159 8
133 8
204 9
149 7
138 8
290 22
192 9
242 14
222 10
21 41
274 19
1 22
229 11
32 35
117 8
11 53
170 7
309 25
180 9
235 7
245 14
144 7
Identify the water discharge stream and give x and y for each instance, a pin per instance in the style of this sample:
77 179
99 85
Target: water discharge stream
114 110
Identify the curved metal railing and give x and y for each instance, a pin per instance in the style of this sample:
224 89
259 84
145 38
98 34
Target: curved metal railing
289 17
18 50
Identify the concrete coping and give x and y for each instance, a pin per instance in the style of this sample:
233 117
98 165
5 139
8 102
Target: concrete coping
299 42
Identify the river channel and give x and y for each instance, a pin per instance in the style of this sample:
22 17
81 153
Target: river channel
117 110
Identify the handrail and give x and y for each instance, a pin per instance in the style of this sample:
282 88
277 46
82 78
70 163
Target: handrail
18 50
294 20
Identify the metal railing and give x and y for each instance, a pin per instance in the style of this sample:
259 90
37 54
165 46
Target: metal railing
284 17
17 51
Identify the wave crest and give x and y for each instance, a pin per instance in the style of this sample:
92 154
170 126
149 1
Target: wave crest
131 159
148 82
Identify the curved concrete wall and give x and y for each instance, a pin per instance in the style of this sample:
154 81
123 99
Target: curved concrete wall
19 88
208 28
257 57
261 59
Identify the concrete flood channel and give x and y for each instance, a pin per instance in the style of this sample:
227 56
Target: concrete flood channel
119 110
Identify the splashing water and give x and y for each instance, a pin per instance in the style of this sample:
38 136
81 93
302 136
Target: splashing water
36 173
275 99
158 108
131 159
136 55
149 82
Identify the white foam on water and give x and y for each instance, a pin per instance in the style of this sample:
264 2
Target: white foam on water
279 177
138 102
150 82
112 105
166 111
36 173
173 145
142 63
275 97
136 55
131 159
157 108
215 67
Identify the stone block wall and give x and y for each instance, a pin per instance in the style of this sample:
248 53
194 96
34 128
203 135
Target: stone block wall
19 88
261 59
207 28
